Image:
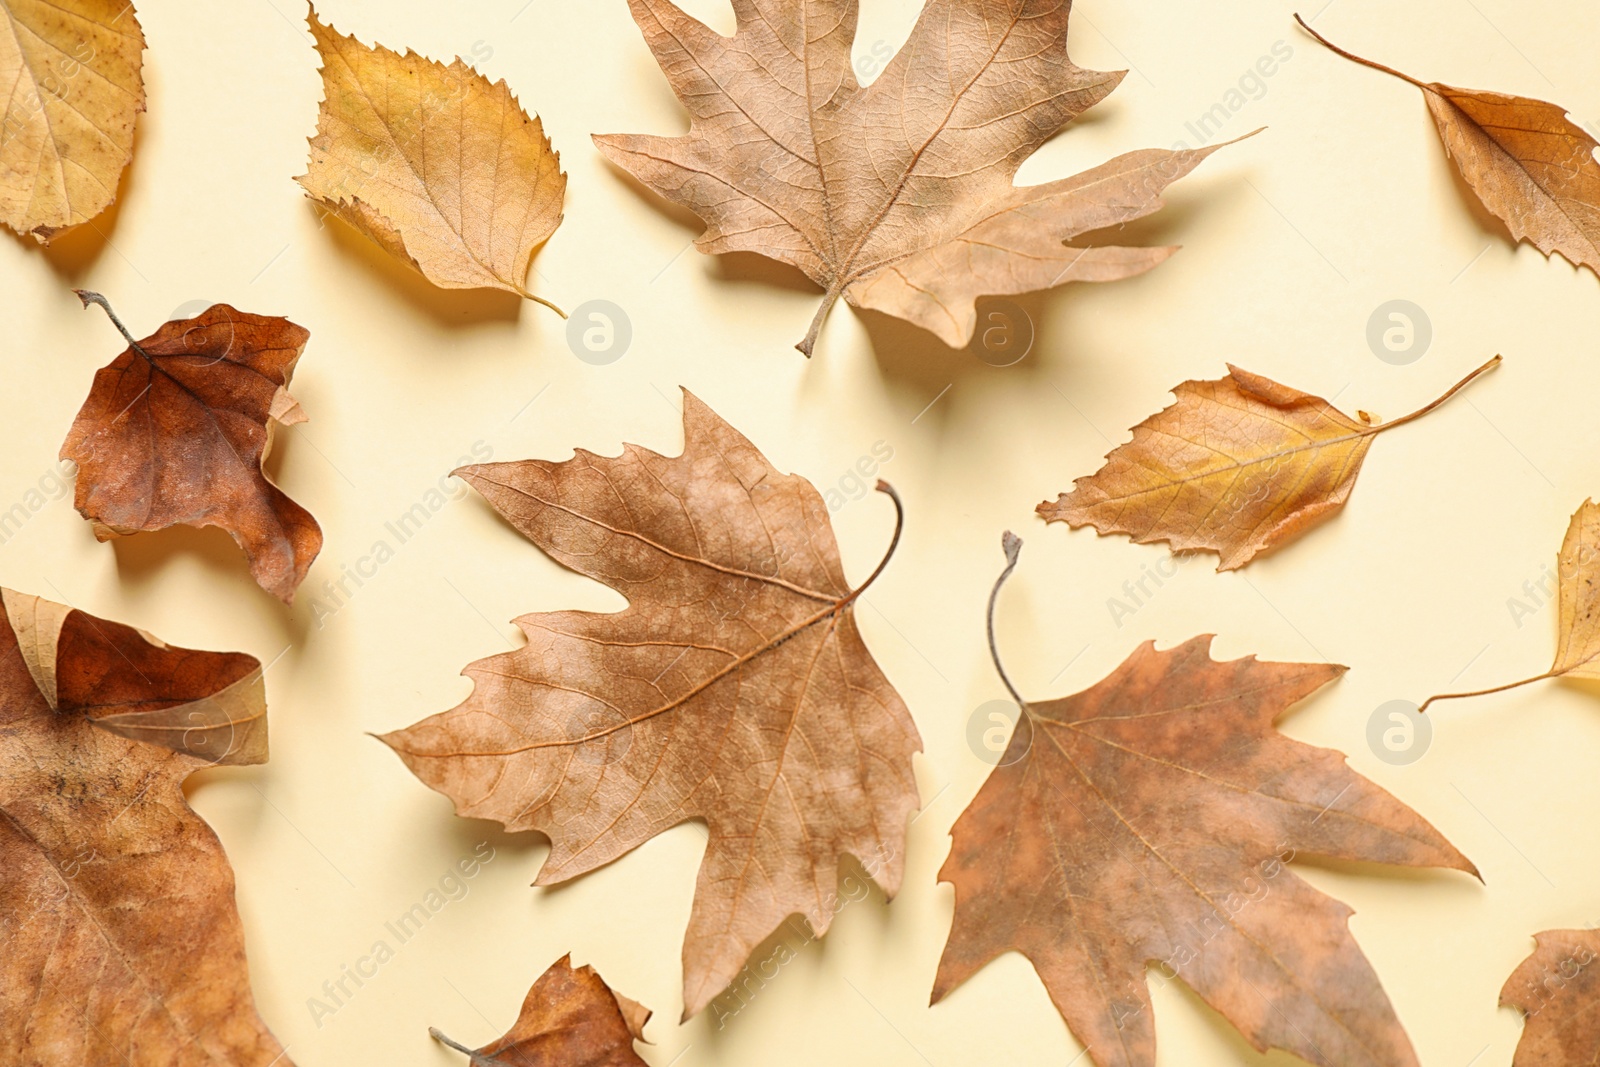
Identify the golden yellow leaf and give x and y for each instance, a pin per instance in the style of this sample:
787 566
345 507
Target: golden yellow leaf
70 72
1237 466
441 168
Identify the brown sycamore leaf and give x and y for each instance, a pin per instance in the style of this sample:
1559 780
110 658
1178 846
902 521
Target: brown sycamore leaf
1238 466
1578 593
1556 990
72 83
440 167
176 428
897 196
122 942
734 689
570 1018
1148 819
1527 164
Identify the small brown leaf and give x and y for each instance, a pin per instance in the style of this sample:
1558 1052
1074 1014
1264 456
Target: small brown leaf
897 196
570 1018
176 428
1149 818
734 689
1578 590
1527 164
1556 989
73 88
1237 466
122 944
442 169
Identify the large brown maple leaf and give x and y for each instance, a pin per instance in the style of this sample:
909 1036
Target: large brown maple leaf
734 688
897 196
176 428
1148 819
119 938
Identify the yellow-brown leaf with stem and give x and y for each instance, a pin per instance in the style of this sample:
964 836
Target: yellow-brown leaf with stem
440 168
1238 466
1528 165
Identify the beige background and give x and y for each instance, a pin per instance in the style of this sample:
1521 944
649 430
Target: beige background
1291 240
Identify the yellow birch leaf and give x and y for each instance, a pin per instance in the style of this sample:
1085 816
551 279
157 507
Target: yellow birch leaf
438 166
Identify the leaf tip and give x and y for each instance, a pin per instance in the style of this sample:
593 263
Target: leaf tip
388 739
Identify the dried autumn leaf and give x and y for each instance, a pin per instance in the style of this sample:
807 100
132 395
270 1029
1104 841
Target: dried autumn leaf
175 430
734 689
122 941
441 168
1578 595
73 89
1237 466
1556 989
1527 164
1148 819
570 1018
897 196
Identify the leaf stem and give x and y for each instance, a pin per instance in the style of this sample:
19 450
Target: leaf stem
540 300
1452 391
1012 545
89 296
894 542
433 1031
1304 25
829 298
1485 692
